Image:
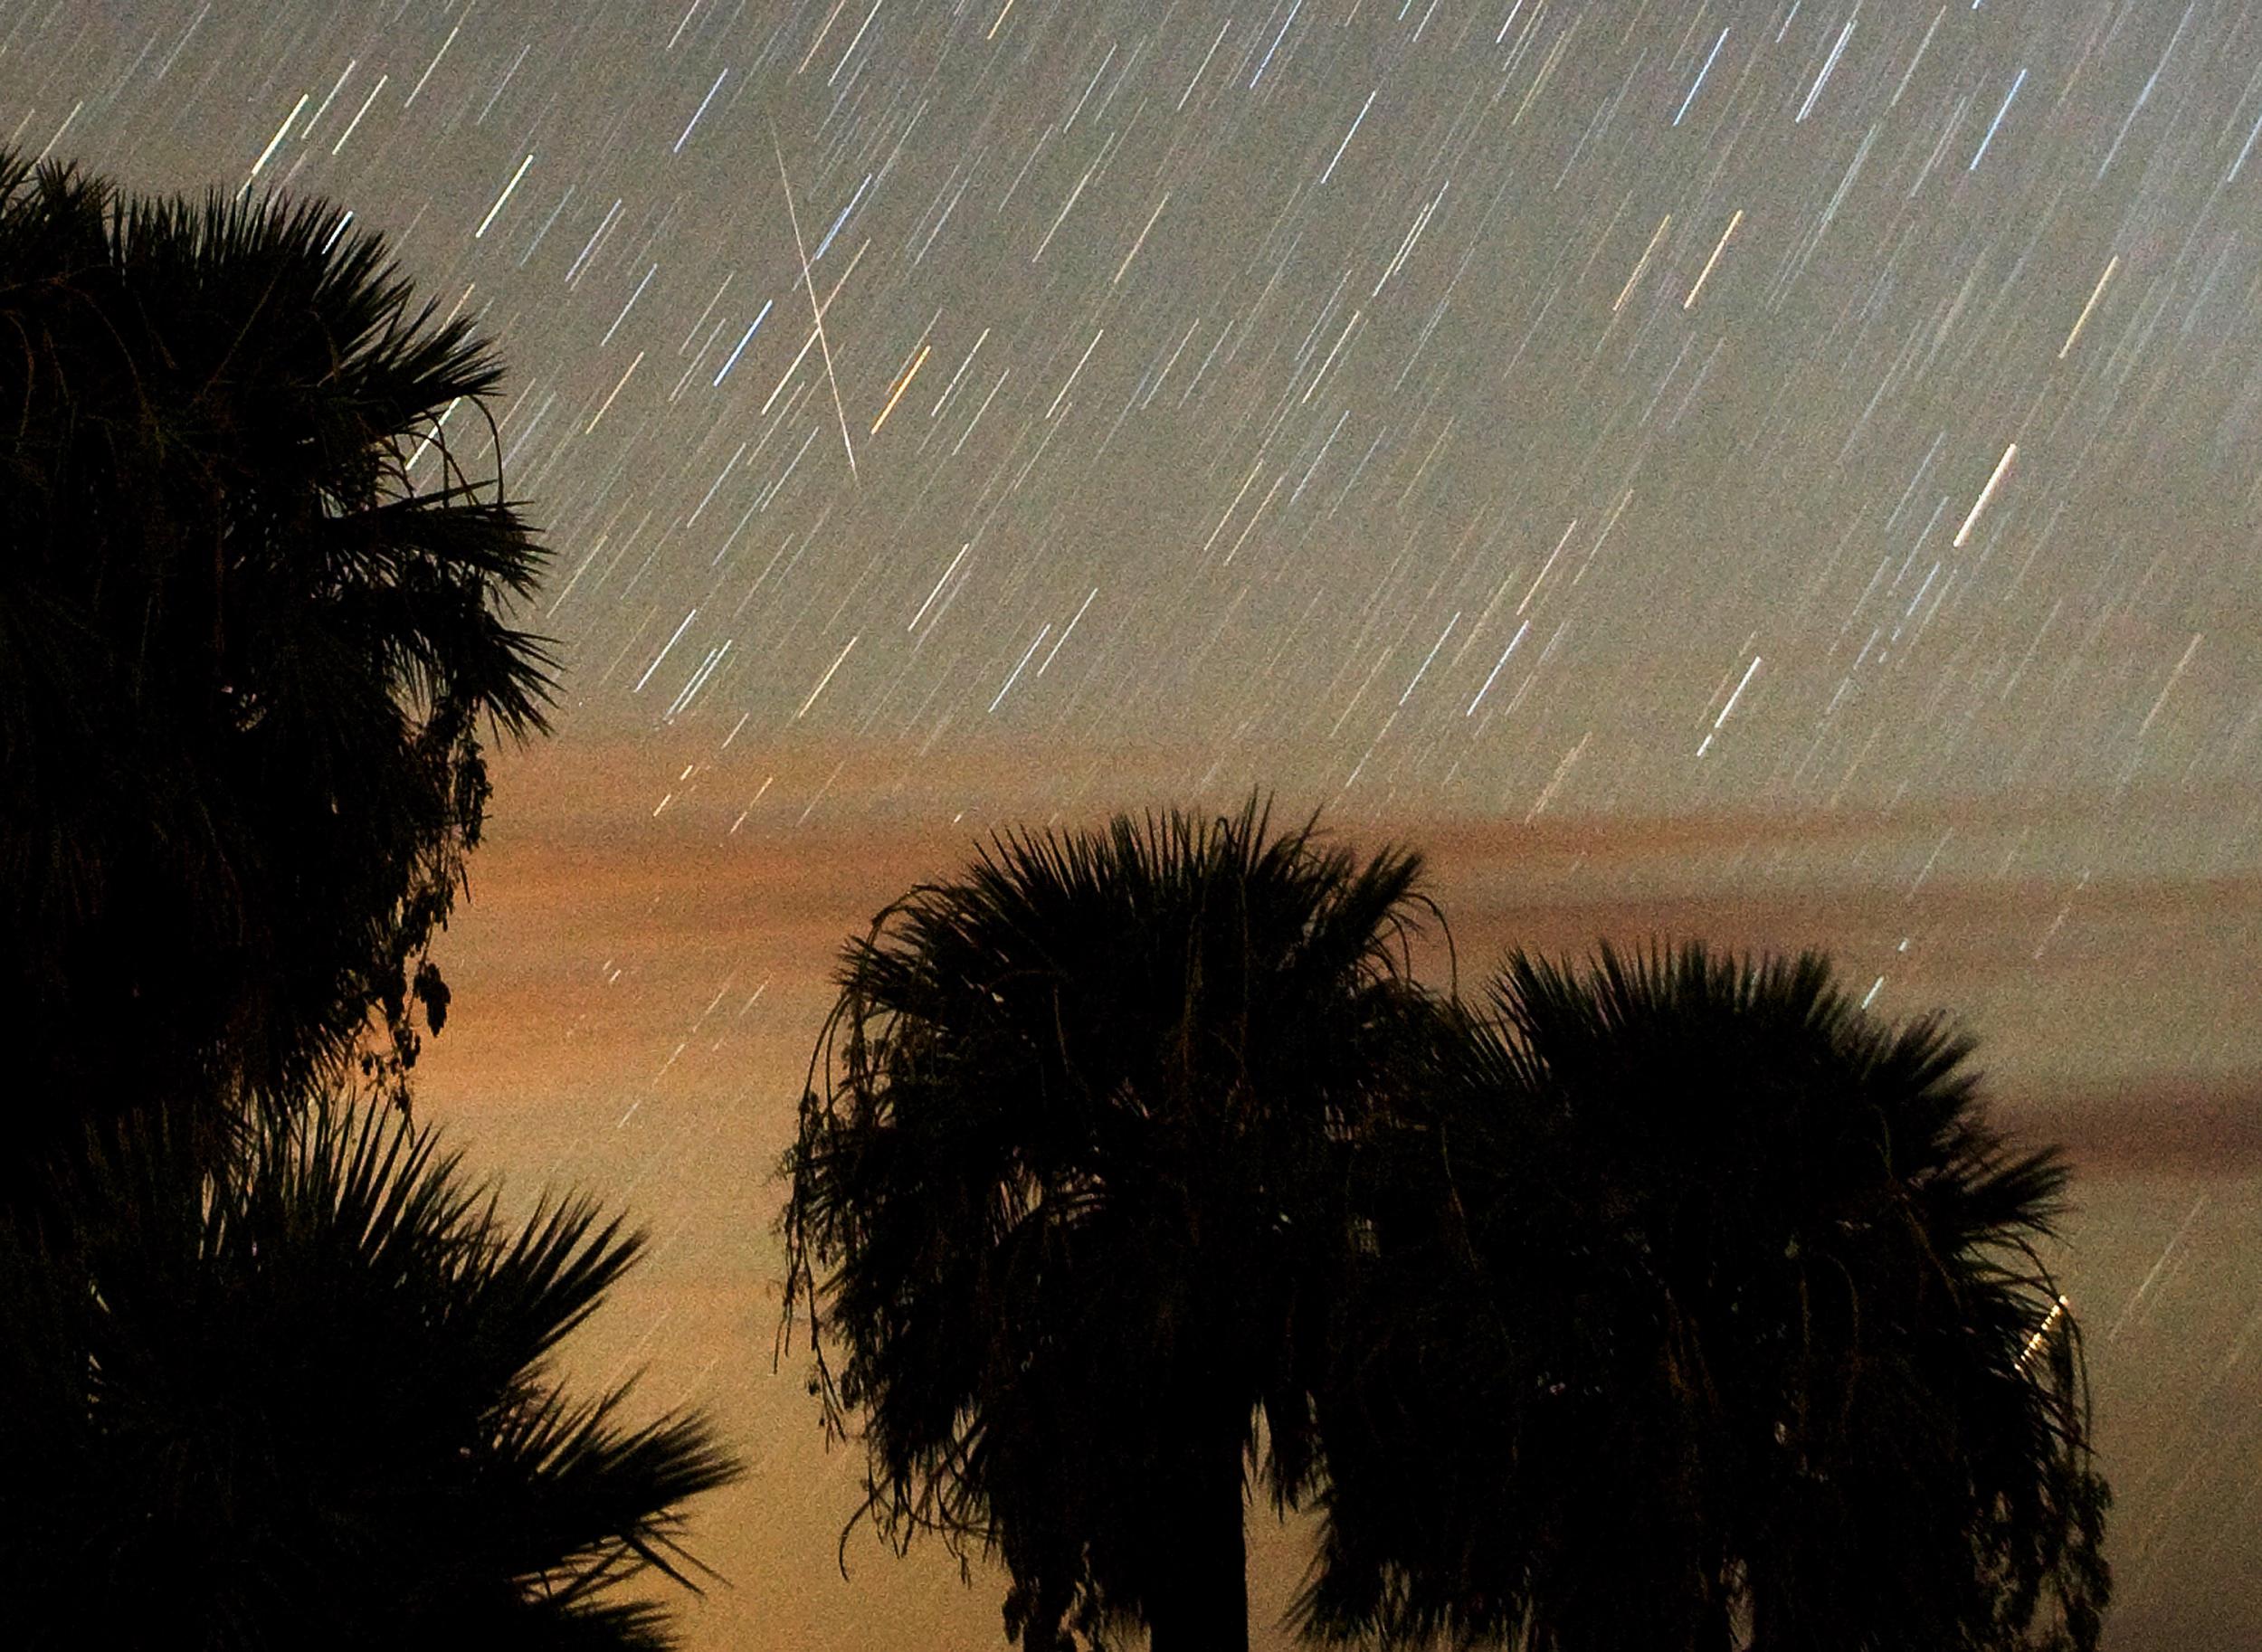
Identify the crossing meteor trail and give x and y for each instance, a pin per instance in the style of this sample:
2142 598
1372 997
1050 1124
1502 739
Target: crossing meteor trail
816 310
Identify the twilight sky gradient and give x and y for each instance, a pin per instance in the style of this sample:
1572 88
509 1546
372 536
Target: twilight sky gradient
1782 473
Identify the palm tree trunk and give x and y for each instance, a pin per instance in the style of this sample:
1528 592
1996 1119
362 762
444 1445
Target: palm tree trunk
1199 1598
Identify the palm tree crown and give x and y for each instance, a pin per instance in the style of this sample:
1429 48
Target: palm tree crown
1068 1200
1714 1319
305 1401
251 621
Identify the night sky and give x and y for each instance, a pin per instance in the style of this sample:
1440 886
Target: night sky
1791 473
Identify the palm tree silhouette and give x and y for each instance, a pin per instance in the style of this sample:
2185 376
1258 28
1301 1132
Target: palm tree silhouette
305 1401
1706 1312
1068 1200
252 620
274 1375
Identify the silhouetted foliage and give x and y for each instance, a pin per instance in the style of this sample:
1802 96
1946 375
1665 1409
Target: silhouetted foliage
306 1402
1066 1199
273 1374
1704 1312
247 638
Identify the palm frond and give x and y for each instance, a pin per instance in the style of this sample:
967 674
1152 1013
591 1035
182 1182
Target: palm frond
1698 1295
1065 1196
308 1401
230 576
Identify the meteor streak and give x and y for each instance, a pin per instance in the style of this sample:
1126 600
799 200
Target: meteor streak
817 311
1986 493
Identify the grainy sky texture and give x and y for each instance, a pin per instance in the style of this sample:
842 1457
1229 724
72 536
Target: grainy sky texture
1790 473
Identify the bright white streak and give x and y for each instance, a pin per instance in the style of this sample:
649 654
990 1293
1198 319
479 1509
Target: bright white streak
1822 79
1345 144
1331 355
1276 39
1648 252
1997 121
628 307
822 680
1986 493
1198 72
1544 567
2169 687
1063 637
1141 241
280 130
616 391
1496 669
1067 207
1078 368
938 585
337 86
2246 149
2082 320
435 59
959 374
736 354
358 113
821 33
1749 671
1701 73
654 666
1911 70
1705 274
1015 678
853 43
503 197
696 113
902 384
1424 671
787 377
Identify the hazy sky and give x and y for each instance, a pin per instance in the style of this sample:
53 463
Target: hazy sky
1786 472
1490 406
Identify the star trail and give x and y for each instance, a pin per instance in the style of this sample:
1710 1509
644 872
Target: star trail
1527 411
1908 350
